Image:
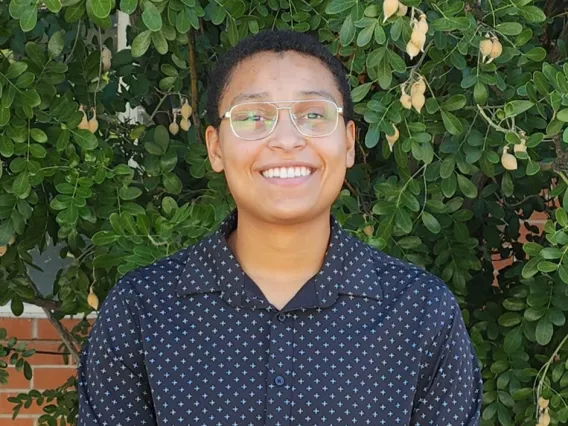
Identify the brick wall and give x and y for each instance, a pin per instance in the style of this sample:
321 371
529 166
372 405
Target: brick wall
49 370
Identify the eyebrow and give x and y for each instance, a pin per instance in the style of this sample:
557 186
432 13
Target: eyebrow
261 96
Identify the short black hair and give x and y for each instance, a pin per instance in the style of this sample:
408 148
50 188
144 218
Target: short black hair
276 40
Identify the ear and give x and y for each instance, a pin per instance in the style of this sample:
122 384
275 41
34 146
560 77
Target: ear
214 149
350 131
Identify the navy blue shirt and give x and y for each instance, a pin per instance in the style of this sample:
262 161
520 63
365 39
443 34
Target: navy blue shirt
191 340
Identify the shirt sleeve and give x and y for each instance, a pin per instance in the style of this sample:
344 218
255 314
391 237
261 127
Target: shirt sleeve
450 386
112 382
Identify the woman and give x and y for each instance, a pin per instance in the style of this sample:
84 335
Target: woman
280 317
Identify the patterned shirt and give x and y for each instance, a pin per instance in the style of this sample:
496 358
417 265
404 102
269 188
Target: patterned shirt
191 340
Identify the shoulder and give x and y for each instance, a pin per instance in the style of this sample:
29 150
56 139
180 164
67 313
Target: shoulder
402 282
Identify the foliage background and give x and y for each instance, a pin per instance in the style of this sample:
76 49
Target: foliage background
132 193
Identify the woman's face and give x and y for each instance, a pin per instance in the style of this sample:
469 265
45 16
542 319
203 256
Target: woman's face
251 166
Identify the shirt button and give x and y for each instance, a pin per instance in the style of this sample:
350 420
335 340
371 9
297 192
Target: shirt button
281 317
279 380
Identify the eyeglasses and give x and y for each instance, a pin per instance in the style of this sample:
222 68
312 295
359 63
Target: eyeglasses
257 120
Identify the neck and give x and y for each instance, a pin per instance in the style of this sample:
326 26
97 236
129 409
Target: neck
270 250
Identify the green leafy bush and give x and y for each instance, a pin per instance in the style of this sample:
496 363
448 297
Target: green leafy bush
131 192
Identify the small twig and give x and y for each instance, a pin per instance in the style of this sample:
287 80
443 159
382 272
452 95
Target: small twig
159 105
74 43
193 84
45 303
490 122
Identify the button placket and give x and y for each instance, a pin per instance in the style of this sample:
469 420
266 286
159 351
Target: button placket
279 373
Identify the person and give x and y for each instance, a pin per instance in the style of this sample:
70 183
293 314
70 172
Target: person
280 317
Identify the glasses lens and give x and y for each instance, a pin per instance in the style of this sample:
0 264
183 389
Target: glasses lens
253 121
315 118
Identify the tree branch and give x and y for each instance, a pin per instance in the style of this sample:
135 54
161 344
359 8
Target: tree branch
194 93
65 335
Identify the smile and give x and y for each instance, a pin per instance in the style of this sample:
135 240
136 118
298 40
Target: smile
287 172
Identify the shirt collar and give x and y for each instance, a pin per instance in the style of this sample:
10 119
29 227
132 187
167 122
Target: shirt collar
348 268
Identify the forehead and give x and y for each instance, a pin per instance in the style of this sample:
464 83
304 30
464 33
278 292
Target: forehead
280 76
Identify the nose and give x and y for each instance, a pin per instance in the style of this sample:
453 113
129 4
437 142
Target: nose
286 136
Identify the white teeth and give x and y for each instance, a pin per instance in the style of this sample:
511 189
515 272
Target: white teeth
287 172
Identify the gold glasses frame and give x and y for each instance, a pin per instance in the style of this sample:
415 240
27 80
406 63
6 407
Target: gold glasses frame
339 111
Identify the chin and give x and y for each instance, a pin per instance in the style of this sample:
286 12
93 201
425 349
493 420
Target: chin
287 212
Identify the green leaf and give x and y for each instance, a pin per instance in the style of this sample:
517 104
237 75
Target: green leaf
544 331
403 220
160 43
532 168
15 69
38 135
431 222
532 14
6 146
100 8
514 108
5 115
128 6
509 28
454 103
360 92
85 139
563 115
536 54
347 32
21 185
513 340
531 268
129 193
338 6
104 238
56 44
467 187
510 319
141 43
452 123
172 183
151 17
480 93
365 35
28 20
54 6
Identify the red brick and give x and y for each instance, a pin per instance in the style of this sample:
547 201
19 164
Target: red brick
46 331
16 380
7 407
50 378
46 359
7 421
17 327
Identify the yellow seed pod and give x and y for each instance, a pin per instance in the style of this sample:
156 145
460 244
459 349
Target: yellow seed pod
392 139
185 124
418 87
412 50
174 128
186 110
93 125
402 9
485 47
544 419
106 57
497 49
12 240
3 250
84 124
543 403
368 230
390 7
418 101
422 24
406 101
418 38
508 161
92 299
520 147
